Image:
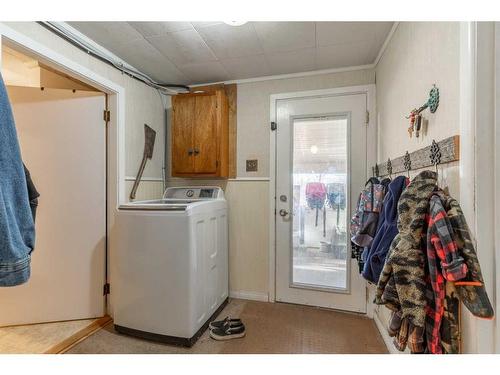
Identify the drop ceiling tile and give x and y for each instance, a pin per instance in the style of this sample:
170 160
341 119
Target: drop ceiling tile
302 60
285 36
199 24
247 67
107 33
212 71
330 33
143 56
342 55
231 41
159 28
183 47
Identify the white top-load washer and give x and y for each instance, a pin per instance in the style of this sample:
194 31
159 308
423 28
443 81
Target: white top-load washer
170 268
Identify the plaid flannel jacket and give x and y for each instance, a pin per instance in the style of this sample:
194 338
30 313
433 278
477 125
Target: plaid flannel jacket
444 265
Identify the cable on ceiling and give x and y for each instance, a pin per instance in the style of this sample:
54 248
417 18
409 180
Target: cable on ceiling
164 88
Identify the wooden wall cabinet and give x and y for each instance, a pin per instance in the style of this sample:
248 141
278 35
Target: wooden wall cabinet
200 135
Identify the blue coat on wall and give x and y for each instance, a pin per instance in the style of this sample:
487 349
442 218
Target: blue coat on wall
386 231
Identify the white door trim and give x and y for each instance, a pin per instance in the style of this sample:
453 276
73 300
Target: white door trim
478 157
116 126
370 92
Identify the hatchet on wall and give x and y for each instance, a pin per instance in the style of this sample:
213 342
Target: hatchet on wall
149 144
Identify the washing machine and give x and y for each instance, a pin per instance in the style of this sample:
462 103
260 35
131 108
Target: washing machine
169 268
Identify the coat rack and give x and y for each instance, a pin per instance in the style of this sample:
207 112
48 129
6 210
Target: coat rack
442 152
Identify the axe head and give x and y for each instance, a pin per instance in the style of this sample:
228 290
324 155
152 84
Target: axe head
149 141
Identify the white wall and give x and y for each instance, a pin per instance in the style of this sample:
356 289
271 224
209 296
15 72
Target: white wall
418 55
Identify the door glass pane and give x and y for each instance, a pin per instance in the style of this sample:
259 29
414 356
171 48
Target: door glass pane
319 202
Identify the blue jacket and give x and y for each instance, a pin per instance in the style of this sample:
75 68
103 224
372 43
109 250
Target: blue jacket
386 231
17 229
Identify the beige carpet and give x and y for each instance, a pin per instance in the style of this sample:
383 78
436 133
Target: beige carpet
38 338
271 328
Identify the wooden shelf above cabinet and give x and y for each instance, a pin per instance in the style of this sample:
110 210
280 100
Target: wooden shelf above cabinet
204 133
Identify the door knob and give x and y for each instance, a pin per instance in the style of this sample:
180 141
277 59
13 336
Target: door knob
283 212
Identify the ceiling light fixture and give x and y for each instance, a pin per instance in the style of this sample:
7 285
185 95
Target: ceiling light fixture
235 23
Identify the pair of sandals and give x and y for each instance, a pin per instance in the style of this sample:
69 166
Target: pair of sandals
227 329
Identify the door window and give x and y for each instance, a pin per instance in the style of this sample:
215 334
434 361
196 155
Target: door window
319 233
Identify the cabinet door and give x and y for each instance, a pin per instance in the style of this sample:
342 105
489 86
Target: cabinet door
182 134
205 135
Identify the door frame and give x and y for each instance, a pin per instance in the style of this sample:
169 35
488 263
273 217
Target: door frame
115 127
371 155
479 140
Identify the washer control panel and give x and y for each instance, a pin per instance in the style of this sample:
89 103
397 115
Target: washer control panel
196 192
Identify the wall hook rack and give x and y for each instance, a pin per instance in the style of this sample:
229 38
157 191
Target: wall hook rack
442 152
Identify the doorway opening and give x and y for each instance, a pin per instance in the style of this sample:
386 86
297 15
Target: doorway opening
62 134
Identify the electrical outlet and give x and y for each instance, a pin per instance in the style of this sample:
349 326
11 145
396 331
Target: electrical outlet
252 165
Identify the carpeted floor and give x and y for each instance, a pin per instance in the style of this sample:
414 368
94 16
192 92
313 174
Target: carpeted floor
271 328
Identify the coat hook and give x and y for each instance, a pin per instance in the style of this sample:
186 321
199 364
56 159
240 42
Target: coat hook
435 155
389 167
407 163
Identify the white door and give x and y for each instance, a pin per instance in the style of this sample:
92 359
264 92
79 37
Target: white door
63 143
320 168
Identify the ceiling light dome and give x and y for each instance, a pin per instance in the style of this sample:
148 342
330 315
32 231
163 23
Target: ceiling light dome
235 23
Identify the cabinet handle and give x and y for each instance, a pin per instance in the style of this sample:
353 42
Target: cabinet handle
190 151
196 151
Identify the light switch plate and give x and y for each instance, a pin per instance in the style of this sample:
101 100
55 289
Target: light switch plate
252 165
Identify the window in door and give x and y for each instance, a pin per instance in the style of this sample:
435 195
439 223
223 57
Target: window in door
319 202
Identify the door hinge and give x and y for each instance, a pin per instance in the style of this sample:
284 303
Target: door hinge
273 126
107 116
105 289
367 117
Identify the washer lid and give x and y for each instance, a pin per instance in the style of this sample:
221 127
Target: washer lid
155 206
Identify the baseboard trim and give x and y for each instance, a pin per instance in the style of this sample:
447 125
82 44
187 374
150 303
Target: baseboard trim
385 335
253 296
79 336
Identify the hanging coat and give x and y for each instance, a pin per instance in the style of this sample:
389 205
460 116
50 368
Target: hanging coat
444 264
17 228
470 289
402 284
387 230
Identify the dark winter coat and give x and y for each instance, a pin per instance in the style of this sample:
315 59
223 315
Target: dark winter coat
386 231
402 283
